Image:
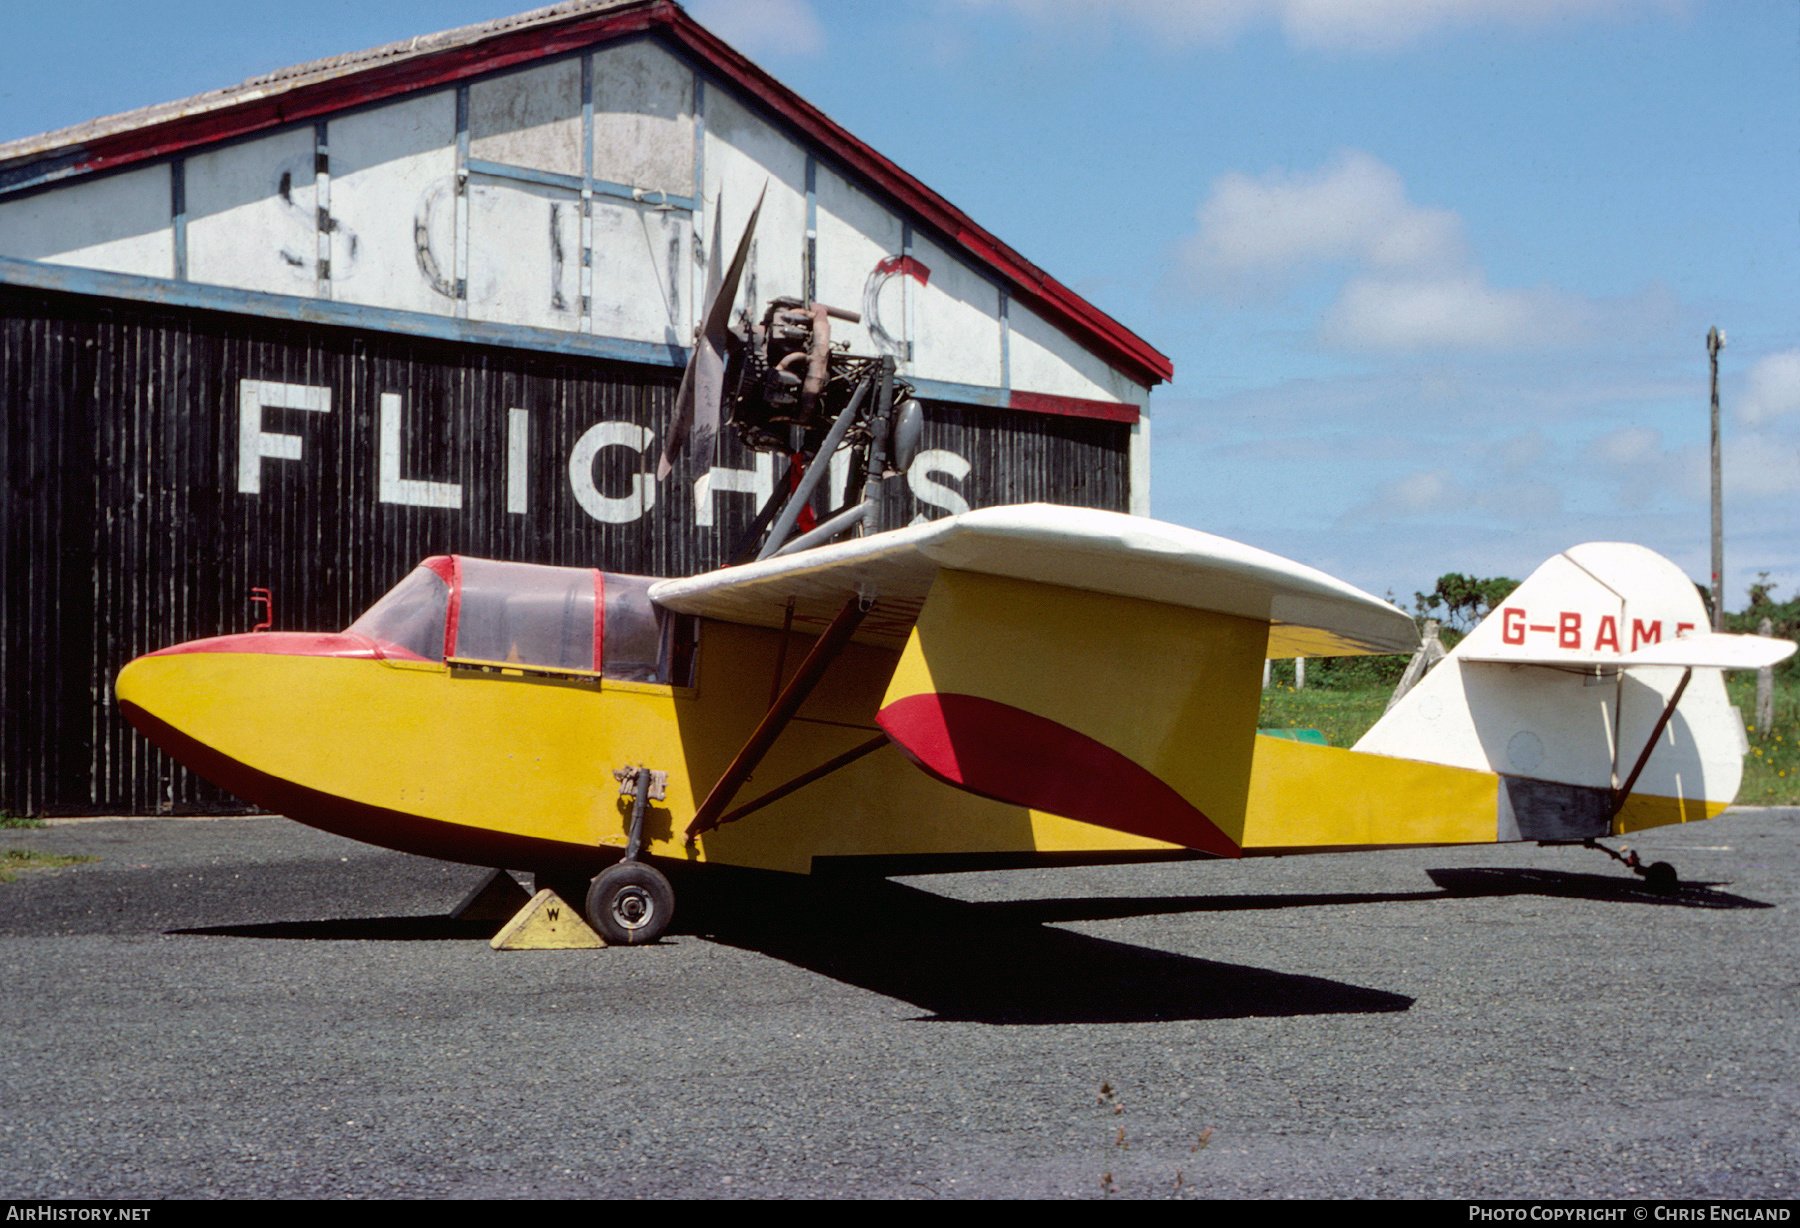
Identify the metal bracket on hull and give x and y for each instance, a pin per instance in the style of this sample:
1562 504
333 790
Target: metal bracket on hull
641 785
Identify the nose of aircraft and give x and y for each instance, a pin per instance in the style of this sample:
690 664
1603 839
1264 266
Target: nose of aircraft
215 705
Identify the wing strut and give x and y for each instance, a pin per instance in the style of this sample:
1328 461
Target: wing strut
777 717
806 778
1662 722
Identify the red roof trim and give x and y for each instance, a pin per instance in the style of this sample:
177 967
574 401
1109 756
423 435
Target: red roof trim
1072 407
376 83
521 45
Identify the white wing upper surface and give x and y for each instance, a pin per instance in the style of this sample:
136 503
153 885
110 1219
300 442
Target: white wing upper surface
1309 612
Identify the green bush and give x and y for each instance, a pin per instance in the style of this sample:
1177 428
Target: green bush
1784 622
1342 673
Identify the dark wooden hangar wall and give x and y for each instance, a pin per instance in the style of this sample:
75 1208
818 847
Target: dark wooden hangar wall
125 529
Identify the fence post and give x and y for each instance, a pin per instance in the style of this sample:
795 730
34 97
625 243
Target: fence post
1765 689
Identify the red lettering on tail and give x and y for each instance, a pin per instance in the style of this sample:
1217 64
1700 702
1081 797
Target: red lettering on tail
1608 635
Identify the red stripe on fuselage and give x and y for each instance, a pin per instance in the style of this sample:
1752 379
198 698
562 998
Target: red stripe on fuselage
1011 755
294 644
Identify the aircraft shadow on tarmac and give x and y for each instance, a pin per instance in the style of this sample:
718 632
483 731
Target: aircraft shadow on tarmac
1005 962
1463 883
988 963
355 929
1518 880
1002 962
955 960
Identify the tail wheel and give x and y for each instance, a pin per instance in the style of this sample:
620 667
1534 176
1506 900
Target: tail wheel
630 904
1661 878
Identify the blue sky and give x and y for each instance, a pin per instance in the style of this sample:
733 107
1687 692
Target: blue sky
1435 274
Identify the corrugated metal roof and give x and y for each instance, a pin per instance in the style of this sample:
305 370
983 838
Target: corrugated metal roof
282 79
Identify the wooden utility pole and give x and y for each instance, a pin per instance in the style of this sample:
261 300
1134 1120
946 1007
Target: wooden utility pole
1715 341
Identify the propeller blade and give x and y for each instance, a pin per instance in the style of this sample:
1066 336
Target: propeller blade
699 402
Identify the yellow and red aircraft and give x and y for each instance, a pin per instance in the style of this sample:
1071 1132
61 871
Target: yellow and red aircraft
1054 683
1005 687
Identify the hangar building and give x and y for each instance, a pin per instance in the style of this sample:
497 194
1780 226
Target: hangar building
435 297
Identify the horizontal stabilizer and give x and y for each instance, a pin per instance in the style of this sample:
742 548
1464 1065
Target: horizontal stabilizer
1705 650
1630 725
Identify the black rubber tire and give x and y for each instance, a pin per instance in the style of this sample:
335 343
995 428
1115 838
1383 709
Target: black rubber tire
630 904
1661 878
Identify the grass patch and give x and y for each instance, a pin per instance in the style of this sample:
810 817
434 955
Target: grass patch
15 860
1342 714
1771 769
18 821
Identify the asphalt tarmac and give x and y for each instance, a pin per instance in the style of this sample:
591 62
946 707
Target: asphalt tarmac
247 1008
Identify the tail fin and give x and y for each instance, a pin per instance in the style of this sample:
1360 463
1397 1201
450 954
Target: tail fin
1595 693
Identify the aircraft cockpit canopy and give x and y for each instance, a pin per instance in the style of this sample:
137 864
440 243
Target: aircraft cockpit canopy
573 620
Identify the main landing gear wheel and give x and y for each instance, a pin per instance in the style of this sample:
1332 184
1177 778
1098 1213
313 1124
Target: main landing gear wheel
630 903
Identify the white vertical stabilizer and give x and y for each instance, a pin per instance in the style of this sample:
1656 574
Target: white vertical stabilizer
1562 687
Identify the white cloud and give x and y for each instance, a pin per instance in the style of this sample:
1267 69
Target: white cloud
1353 210
1649 473
1455 312
1411 285
1424 492
763 27
1324 25
1380 25
1433 494
1628 447
1177 22
1772 389
1519 453
1757 467
1441 498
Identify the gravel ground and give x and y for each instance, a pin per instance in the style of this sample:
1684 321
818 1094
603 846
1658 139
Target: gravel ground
247 1008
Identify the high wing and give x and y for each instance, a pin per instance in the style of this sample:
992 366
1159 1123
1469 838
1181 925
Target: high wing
1308 612
1101 667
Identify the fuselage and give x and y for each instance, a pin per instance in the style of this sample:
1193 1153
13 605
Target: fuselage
480 711
494 765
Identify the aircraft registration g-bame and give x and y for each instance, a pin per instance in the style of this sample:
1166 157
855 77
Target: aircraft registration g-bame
1005 687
